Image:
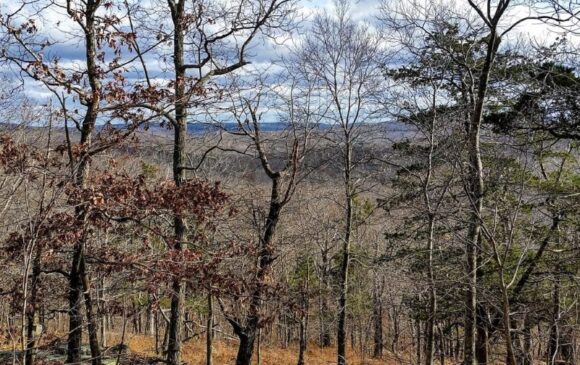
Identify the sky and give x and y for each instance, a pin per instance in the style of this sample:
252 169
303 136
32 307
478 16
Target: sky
56 25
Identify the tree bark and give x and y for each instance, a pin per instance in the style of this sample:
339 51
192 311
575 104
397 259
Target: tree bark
482 345
302 342
475 195
103 313
209 333
419 347
77 276
303 339
528 353
245 349
441 345
510 355
90 313
248 333
342 301
554 339
430 325
31 312
174 332
378 326
325 336
75 314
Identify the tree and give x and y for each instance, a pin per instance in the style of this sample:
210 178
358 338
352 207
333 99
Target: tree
342 56
198 31
298 112
99 81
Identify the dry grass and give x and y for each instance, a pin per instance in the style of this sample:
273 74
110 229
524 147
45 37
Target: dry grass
224 353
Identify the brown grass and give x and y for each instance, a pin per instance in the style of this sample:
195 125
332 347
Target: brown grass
224 353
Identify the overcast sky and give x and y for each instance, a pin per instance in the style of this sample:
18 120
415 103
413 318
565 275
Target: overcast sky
57 25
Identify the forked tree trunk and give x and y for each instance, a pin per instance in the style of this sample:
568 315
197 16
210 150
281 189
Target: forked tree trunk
247 334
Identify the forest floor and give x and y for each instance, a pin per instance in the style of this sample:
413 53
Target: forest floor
224 353
142 350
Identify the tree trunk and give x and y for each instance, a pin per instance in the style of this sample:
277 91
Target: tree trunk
342 301
475 195
90 312
458 346
302 342
75 314
175 329
135 318
77 275
482 345
441 345
209 329
259 348
325 337
303 339
150 319
248 333
397 331
528 353
156 319
378 326
430 325
510 355
245 349
419 347
554 340
31 312
103 313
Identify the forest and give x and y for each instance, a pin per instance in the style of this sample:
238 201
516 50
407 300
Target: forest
280 182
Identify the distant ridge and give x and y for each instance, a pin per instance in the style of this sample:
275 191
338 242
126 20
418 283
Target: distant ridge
203 128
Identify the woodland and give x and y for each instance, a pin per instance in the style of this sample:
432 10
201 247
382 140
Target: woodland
286 182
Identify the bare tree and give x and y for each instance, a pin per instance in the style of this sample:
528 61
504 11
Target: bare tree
209 40
292 102
342 55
